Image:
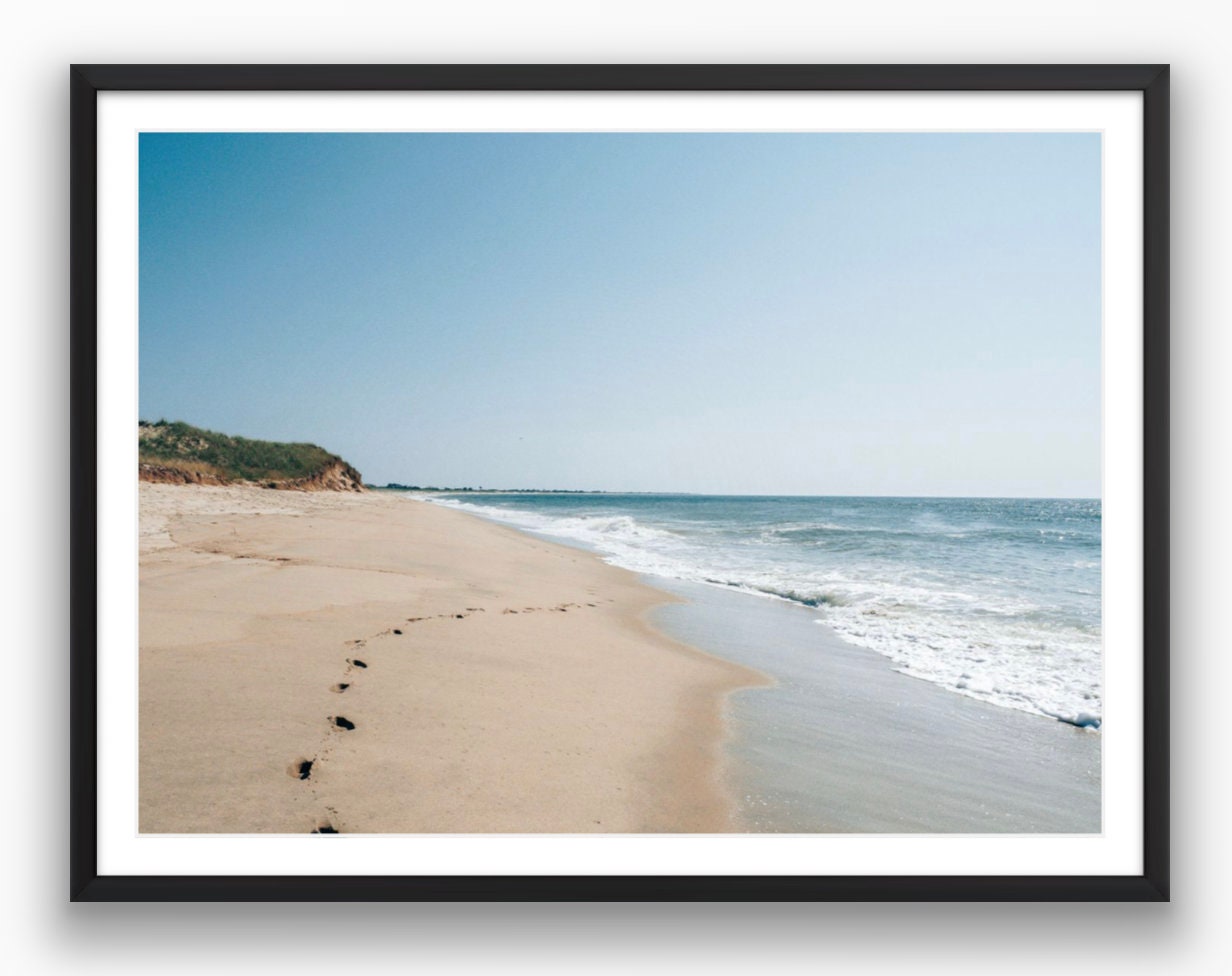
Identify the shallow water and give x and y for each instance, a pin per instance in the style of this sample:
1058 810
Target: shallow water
843 742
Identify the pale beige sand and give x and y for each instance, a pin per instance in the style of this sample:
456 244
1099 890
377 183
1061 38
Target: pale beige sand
530 697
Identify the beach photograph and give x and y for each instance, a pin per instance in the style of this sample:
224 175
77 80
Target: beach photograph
620 483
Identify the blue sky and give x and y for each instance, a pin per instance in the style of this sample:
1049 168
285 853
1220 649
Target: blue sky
903 314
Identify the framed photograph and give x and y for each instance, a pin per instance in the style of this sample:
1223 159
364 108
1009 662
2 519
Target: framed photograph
597 482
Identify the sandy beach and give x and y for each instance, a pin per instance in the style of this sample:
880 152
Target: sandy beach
363 663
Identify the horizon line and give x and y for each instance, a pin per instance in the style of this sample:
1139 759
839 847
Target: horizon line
397 486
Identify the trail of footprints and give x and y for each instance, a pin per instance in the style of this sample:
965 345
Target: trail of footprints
302 768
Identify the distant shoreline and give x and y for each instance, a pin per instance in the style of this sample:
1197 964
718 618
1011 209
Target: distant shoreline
431 490
393 486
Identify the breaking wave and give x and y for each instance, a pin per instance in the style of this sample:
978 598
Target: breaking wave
997 600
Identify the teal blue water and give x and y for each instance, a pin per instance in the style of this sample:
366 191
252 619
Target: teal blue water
996 599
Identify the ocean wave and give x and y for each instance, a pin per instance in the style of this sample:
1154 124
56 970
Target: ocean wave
977 634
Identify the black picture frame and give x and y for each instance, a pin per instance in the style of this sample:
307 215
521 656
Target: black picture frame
86 884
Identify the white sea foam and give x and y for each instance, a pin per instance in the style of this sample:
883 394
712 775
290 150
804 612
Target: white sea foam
987 641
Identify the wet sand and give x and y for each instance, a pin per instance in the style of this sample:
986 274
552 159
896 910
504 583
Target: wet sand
843 742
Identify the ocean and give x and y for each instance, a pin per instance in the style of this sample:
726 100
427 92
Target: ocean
996 599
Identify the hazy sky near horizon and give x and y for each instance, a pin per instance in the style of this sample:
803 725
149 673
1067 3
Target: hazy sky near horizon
805 313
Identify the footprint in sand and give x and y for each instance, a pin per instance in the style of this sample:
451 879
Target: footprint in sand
326 829
343 723
300 769
340 687
356 662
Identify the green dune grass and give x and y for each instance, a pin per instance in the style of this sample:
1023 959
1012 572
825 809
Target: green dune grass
180 446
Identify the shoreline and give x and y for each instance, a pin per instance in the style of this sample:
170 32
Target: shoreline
844 740
499 680
1076 714
359 663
